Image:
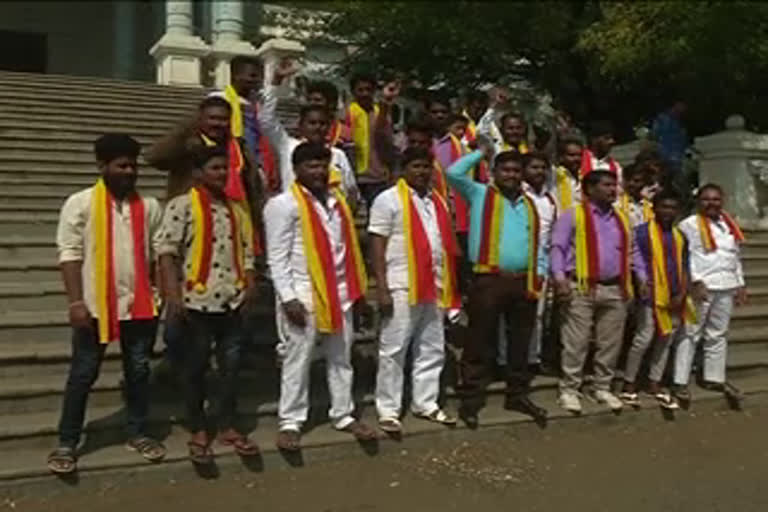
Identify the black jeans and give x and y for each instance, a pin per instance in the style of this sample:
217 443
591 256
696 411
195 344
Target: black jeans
202 330
136 338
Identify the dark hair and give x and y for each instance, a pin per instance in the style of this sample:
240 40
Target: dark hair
600 127
326 89
214 101
568 141
239 62
709 186
204 154
507 156
534 155
362 77
310 151
411 154
418 125
648 155
305 110
593 178
114 145
512 115
454 118
439 96
632 170
667 194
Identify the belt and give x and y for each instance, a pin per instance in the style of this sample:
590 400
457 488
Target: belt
604 282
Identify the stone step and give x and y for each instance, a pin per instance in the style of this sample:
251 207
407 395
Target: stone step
57 144
8 180
46 84
126 116
751 315
63 160
26 247
10 98
62 169
53 126
10 136
11 102
67 121
32 296
752 262
30 269
20 190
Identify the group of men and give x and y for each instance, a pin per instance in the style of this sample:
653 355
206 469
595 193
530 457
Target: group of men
466 219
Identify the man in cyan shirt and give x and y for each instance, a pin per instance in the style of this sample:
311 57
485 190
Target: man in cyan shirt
502 227
591 300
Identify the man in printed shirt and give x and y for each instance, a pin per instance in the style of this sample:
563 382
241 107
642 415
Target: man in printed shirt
288 256
717 280
502 281
79 248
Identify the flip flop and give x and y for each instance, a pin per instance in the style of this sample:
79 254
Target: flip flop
630 398
666 401
438 416
200 454
361 431
390 425
289 440
150 449
242 445
62 461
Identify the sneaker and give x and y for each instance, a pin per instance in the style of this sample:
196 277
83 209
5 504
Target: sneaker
603 396
570 401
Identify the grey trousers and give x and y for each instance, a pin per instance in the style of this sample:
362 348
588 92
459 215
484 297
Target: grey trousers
644 335
604 309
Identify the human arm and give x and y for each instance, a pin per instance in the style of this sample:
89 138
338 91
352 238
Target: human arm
348 180
173 148
562 238
70 243
459 178
639 266
380 227
383 137
741 292
171 240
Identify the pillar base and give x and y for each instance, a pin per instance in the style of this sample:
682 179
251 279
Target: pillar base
272 51
179 59
222 53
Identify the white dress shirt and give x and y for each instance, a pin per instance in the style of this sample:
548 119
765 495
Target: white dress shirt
546 207
285 248
74 241
719 269
386 219
284 145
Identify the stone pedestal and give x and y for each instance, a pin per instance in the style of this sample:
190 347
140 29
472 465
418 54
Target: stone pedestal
272 51
179 53
737 160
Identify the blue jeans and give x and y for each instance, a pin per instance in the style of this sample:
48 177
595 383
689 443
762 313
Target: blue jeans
136 337
201 331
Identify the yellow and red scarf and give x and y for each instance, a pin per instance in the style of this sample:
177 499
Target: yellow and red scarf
645 204
460 205
359 127
660 278
490 239
564 185
320 262
705 230
335 131
202 240
439 182
587 252
421 278
588 162
521 148
104 272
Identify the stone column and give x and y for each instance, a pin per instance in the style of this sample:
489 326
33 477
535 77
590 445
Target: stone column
737 160
124 53
178 53
228 38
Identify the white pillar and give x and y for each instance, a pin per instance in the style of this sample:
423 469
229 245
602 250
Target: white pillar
179 53
228 38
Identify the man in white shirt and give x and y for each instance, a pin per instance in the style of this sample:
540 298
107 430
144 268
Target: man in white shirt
313 127
301 223
717 283
106 259
408 265
512 131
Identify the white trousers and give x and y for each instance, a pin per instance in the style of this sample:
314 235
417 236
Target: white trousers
296 349
713 317
645 334
420 329
534 349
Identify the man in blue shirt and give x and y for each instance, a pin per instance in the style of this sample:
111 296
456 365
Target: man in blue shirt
508 263
669 131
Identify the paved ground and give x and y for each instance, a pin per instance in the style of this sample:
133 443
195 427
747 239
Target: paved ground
706 460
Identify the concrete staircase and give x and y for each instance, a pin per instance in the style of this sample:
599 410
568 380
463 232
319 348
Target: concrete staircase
47 127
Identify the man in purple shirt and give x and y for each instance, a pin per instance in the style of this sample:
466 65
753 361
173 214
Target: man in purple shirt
602 306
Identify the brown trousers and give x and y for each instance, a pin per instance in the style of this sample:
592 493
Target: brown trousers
491 296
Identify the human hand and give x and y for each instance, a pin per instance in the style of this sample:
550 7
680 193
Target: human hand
741 296
390 92
385 303
563 290
676 303
642 290
250 302
498 96
285 68
295 312
175 312
699 291
79 316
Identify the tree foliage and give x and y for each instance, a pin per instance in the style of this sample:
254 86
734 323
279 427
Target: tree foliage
621 60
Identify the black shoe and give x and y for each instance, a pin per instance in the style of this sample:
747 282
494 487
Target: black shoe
469 416
524 405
